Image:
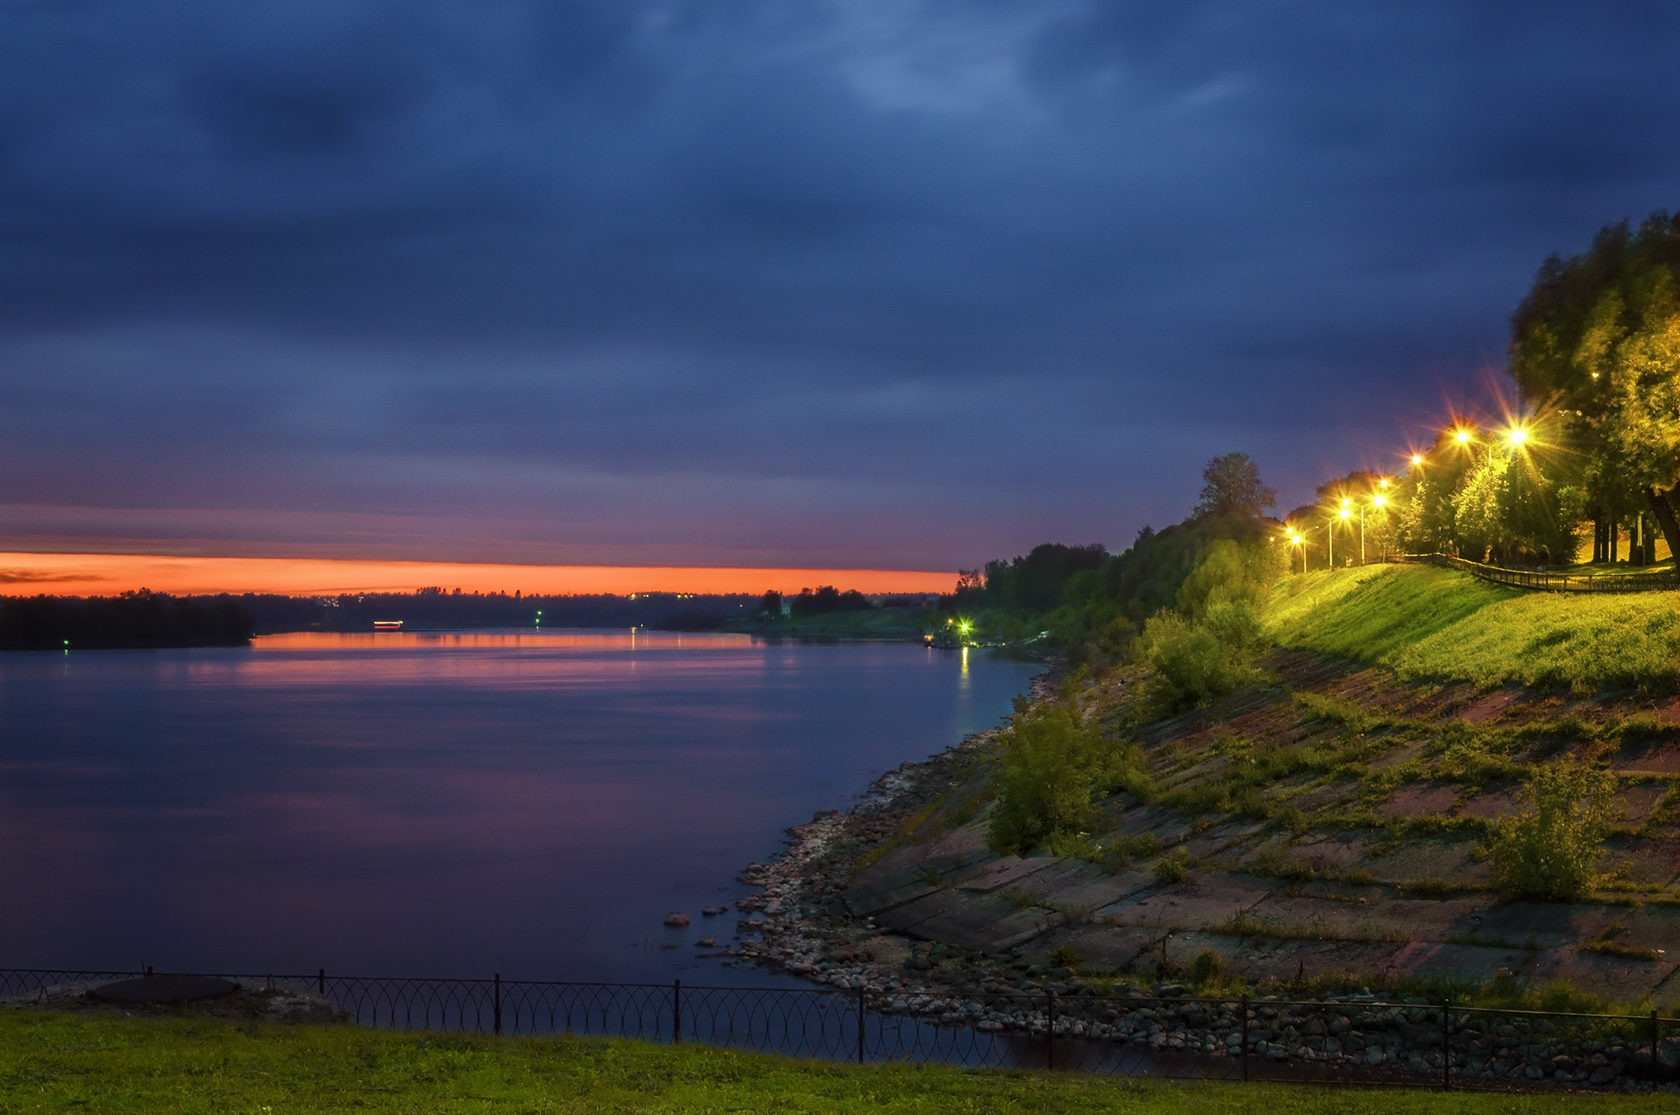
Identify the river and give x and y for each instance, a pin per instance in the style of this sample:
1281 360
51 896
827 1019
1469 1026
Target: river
446 804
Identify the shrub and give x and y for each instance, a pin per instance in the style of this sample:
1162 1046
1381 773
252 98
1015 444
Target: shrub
1051 763
1194 662
1207 969
1174 867
1547 851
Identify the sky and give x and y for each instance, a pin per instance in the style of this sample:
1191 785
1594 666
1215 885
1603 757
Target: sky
810 284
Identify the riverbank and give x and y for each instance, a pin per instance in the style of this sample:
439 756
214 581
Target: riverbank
1316 834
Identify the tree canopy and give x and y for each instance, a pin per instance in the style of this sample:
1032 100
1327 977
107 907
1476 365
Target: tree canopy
1232 487
1595 345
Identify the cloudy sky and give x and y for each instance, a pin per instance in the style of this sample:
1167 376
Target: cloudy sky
831 283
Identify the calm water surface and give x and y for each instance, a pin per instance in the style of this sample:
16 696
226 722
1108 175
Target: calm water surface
449 804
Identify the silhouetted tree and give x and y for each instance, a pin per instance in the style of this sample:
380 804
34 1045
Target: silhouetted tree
1232 487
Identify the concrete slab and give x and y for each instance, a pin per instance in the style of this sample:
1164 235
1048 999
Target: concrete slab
1430 799
1615 978
1429 859
1260 958
1328 853
1223 840
1197 905
1439 960
1100 948
981 922
1545 924
1393 920
1007 872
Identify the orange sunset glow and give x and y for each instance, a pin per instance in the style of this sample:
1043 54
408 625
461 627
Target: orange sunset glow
23 574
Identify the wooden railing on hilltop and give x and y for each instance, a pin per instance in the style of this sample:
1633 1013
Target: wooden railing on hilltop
1555 582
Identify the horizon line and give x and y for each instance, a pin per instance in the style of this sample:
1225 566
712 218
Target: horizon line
97 574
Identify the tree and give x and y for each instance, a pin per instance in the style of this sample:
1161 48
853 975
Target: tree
771 603
1597 342
1233 487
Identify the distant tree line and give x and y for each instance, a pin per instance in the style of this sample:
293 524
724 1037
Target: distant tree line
1092 603
132 619
433 607
827 600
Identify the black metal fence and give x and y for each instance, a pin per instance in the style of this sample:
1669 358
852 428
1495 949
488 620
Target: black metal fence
1351 1040
1555 582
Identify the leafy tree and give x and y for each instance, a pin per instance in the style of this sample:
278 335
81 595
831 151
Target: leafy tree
1232 487
1597 342
771 603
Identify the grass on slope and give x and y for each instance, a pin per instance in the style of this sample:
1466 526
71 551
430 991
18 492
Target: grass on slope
1429 623
59 1062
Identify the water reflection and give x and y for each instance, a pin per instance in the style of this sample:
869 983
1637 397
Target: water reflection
533 802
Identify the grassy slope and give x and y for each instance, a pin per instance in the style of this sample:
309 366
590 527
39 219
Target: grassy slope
1431 624
59 1062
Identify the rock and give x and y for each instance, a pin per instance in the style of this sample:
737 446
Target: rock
713 911
706 943
676 919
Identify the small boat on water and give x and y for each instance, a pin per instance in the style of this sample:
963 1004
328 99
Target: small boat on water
387 625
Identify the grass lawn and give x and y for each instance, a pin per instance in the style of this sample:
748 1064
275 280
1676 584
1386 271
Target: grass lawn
105 1062
1429 623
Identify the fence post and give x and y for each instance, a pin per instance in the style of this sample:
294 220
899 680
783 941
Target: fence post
676 1012
496 1006
1244 1046
1050 1032
321 982
1656 1038
862 1007
1446 1043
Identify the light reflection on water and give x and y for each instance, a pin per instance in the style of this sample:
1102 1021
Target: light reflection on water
445 804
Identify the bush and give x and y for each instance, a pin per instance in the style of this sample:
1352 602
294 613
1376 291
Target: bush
1051 765
1195 662
1207 969
1547 852
1174 867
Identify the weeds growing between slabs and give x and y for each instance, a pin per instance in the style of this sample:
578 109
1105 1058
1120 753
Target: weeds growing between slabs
106 1062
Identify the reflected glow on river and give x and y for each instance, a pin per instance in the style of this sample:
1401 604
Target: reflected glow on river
438 804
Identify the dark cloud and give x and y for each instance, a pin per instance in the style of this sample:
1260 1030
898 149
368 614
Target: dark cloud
914 282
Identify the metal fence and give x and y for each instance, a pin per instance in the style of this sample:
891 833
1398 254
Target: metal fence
1350 1040
1555 582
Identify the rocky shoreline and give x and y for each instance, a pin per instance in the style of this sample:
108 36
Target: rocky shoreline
801 924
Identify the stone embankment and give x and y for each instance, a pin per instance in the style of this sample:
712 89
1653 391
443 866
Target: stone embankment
802 923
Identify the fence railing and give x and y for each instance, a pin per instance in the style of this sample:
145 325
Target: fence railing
1555 582
1356 1039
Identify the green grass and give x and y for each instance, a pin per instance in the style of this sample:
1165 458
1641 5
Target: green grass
84 1062
1432 624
